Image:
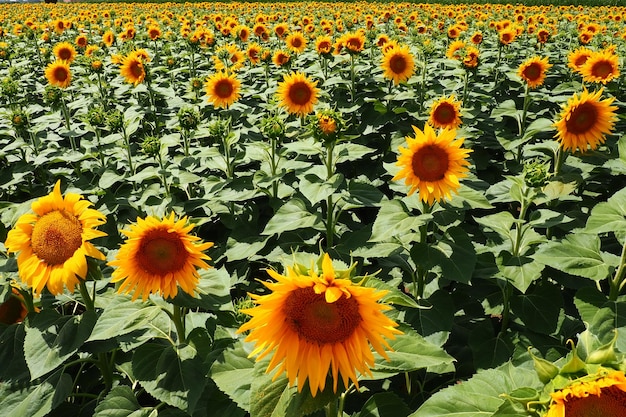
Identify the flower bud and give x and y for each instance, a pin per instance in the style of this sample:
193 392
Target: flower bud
546 370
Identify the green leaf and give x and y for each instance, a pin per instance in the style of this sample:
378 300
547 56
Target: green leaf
384 404
609 216
393 296
316 189
174 375
36 400
577 254
52 338
480 396
213 292
410 351
489 348
540 125
233 374
14 368
454 253
506 108
293 215
500 223
539 309
121 402
394 220
521 271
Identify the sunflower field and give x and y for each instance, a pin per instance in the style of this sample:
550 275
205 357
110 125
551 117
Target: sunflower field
327 209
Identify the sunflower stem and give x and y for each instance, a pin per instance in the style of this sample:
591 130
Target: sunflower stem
559 159
178 317
100 153
507 291
163 175
66 116
330 221
84 292
128 152
352 79
619 280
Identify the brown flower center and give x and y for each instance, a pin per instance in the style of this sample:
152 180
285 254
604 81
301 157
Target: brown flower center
582 118
444 113
136 68
161 252
223 88
532 72
65 54
430 163
313 319
60 74
611 403
398 64
56 236
602 69
300 93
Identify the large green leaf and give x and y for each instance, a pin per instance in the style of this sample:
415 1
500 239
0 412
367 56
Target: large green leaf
316 189
384 404
52 338
293 215
121 402
521 271
213 292
393 220
539 309
481 395
14 368
233 373
609 216
36 400
577 254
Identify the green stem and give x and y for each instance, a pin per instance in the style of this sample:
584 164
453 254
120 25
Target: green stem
507 291
559 159
89 302
178 317
128 151
105 369
331 409
330 221
66 116
519 227
619 280
100 153
163 175
352 79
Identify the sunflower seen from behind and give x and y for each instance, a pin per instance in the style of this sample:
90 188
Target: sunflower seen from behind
297 93
584 121
433 163
53 241
222 89
158 256
314 324
398 64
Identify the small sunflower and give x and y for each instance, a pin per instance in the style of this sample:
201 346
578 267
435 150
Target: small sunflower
13 310
315 324
132 68
433 163
296 42
281 58
53 242
603 394
324 45
222 89
600 67
64 51
576 59
454 50
159 256
445 113
108 38
585 120
533 71
398 64
58 73
297 93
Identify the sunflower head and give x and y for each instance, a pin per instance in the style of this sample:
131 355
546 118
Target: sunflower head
398 64
222 89
316 322
159 256
433 163
58 73
13 308
297 93
327 125
53 241
533 71
445 113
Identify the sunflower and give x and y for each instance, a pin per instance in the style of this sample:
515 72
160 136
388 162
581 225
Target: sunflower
296 42
222 89
453 51
108 38
64 51
398 64
315 324
132 68
603 394
507 35
472 55
324 45
53 242
281 58
533 71
81 41
576 59
297 93
354 42
585 120
58 74
433 163
445 113
254 53
600 67
154 32
158 256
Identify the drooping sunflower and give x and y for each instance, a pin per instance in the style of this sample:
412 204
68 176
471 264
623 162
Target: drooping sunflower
159 255
13 310
600 67
398 64
64 51
471 59
533 71
58 73
585 120
53 243
297 93
222 89
445 113
315 324
132 68
108 38
603 394
433 163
